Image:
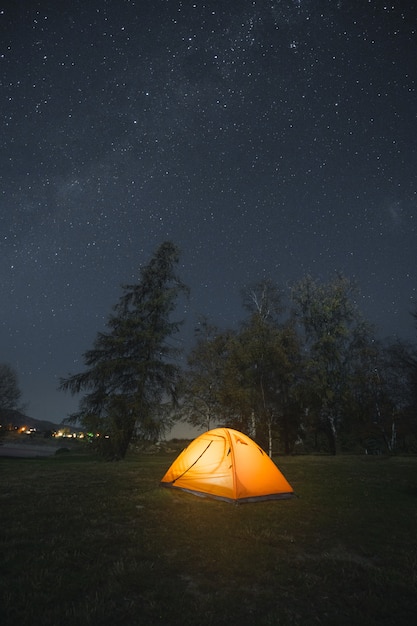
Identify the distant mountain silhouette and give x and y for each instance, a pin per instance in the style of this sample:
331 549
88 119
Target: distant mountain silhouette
14 418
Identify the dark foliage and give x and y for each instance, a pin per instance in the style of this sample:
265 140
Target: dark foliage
131 371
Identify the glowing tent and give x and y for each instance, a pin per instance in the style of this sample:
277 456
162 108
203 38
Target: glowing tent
227 465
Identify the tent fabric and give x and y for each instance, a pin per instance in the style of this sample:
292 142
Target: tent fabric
226 464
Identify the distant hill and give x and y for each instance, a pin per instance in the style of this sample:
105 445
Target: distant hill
17 419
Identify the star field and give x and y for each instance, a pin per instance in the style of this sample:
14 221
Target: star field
265 138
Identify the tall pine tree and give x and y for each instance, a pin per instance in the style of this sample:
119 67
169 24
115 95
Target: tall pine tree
131 370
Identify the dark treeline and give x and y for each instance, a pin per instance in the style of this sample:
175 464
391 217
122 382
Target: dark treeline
303 371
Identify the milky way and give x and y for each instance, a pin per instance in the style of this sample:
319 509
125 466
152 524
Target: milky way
266 139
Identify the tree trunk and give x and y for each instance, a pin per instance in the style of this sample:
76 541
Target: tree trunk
331 435
269 440
253 425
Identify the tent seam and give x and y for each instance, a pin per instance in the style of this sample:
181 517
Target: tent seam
232 452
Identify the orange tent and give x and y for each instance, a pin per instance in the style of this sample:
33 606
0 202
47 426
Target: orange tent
227 465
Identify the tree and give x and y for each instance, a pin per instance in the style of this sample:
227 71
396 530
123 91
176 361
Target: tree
411 364
264 300
9 393
261 370
369 402
405 367
382 397
131 371
203 379
395 394
9 388
335 340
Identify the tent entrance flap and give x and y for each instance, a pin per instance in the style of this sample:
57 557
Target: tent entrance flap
192 465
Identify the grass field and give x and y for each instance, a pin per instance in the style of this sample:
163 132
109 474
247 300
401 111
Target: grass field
87 542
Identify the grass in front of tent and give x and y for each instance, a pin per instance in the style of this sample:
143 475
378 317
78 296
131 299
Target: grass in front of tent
88 542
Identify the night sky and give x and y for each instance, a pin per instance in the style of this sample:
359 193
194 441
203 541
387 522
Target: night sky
268 139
